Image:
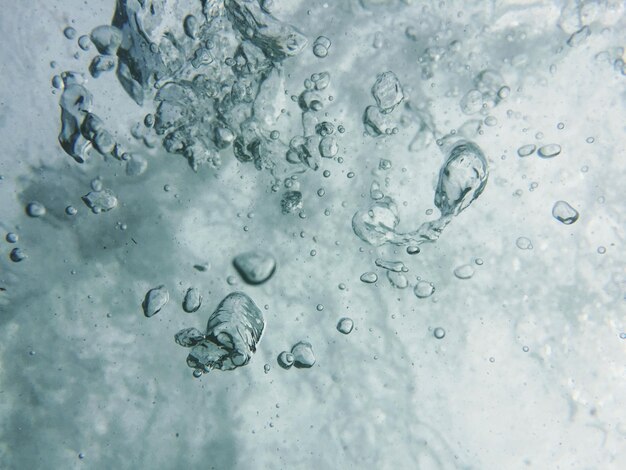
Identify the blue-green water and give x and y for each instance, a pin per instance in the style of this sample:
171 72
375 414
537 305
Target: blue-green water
287 234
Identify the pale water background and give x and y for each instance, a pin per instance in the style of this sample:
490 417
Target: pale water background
531 370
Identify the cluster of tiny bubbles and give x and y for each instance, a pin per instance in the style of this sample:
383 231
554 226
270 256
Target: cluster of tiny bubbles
439 333
533 186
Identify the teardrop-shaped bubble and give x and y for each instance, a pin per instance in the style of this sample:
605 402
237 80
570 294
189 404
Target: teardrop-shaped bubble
462 178
369 277
192 301
155 300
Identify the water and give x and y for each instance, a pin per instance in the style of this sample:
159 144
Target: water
328 140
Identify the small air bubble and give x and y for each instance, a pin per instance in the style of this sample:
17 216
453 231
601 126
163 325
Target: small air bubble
369 277
439 333
35 209
69 32
524 243
601 250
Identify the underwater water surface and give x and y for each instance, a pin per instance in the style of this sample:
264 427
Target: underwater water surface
312 234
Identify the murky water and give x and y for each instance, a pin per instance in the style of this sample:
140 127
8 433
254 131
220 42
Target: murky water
401 222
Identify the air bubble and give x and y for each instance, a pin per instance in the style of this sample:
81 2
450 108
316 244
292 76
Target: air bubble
192 300
387 92
303 356
465 271
549 151
255 267
69 32
84 42
17 254
526 150
285 360
423 289
369 277
155 300
100 201
564 213
11 237
35 209
345 325
413 250
524 243
397 280
321 46
439 333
